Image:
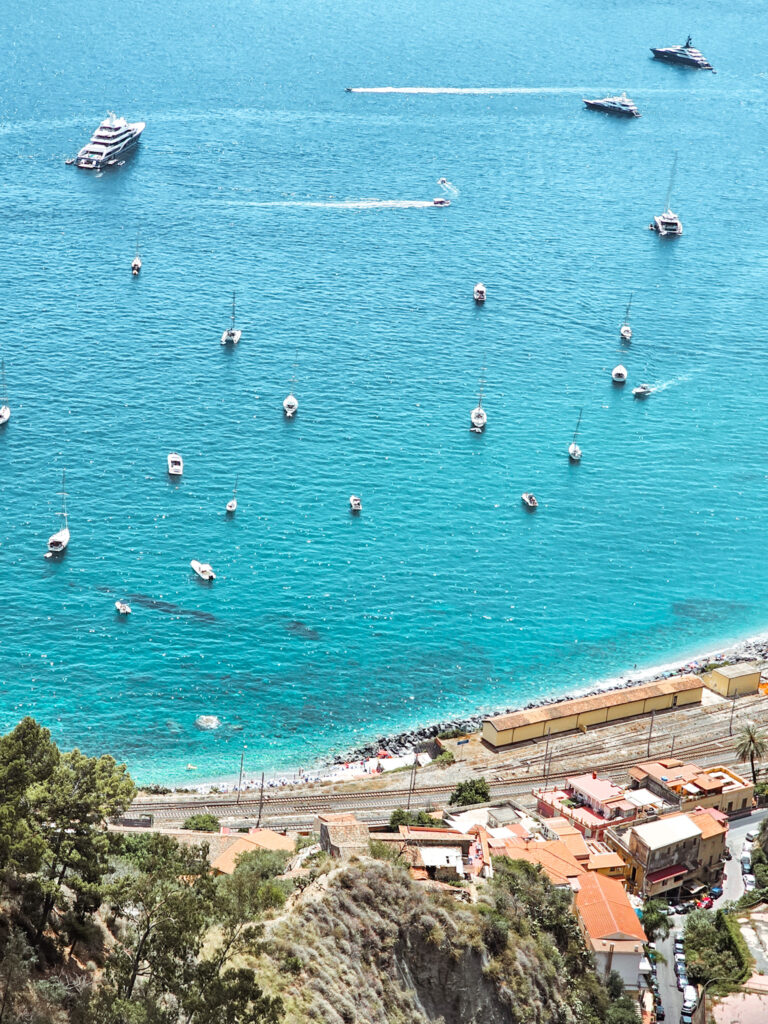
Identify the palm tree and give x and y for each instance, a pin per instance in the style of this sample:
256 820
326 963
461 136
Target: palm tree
752 746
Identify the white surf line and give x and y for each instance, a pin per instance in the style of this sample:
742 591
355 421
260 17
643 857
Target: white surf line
348 204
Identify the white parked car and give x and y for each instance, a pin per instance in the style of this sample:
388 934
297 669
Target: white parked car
753 835
749 883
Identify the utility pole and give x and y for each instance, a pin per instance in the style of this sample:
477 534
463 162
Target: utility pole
733 708
261 801
546 749
412 783
650 734
240 783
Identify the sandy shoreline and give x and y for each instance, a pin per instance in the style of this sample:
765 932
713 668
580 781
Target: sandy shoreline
362 762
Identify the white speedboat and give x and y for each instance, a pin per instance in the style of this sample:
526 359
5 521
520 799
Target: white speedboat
114 137
231 336
5 409
136 265
625 330
122 608
574 452
441 202
529 500
232 503
355 503
175 464
57 542
642 391
479 292
619 374
203 570
668 224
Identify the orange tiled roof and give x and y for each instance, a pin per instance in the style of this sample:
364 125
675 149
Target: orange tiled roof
605 911
708 824
226 862
553 856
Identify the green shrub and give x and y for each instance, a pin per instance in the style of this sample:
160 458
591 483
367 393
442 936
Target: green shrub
473 791
202 823
451 734
445 759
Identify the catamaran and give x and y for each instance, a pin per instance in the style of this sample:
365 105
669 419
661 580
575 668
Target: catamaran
625 330
231 336
574 452
57 542
668 224
5 409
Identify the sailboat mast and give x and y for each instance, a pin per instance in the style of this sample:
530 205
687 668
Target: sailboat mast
629 306
234 491
233 309
671 180
63 497
3 396
578 424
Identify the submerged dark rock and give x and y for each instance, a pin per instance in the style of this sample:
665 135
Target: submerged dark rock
301 630
155 605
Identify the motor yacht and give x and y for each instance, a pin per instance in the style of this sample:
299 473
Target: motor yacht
686 55
203 570
642 391
5 409
175 464
619 374
57 542
529 500
114 137
441 202
122 608
231 336
355 503
625 331
479 292
621 105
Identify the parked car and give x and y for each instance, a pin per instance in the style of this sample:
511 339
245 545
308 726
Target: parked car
690 997
661 1013
689 905
716 892
686 1018
682 981
705 904
746 862
753 835
749 883
679 946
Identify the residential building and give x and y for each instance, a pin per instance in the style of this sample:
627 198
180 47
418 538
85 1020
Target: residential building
589 803
444 854
714 832
554 857
342 835
661 855
611 928
585 712
734 680
689 786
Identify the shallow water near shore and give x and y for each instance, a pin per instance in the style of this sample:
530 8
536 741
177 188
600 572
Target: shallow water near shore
259 173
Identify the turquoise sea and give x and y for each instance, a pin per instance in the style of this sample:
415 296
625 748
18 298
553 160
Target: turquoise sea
258 173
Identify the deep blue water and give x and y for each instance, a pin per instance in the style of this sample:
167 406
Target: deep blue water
256 173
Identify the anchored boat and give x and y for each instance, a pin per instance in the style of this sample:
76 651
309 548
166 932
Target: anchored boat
175 464
203 570
355 504
5 409
232 503
479 292
668 224
686 55
57 542
625 330
231 336
621 105
574 452
529 500
619 374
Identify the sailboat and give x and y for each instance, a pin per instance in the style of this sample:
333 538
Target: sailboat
668 224
231 336
625 330
5 409
574 452
136 264
290 402
57 542
478 417
232 503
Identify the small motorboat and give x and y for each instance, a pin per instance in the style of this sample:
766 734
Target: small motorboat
232 503
5 409
290 405
122 608
441 202
478 419
642 391
57 542
175 464
479 292
619 374
355 503
529 500
442 181
136 265
203 570
231 336
625 331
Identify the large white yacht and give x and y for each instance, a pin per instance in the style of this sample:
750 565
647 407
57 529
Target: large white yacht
113 137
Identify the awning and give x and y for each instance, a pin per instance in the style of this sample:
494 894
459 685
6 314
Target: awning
665 873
